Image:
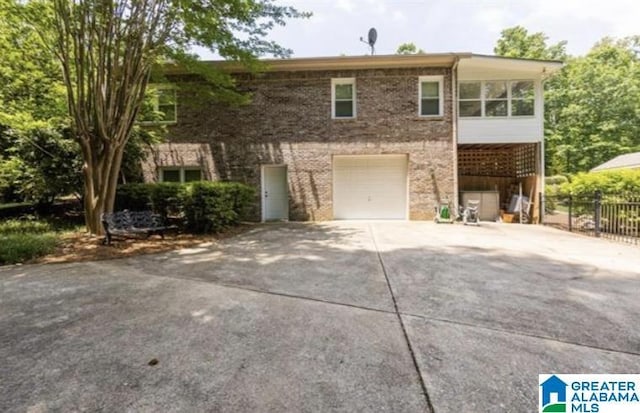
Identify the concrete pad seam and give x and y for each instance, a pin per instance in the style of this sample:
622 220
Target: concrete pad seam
270 292
519 333
402 326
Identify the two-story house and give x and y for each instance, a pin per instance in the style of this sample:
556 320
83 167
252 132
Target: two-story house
367 137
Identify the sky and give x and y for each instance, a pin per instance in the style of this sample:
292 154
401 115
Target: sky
451 25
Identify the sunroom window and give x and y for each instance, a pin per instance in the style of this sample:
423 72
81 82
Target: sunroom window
496 98
522 98
470 103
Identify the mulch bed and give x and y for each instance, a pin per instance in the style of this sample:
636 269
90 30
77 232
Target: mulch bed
80 246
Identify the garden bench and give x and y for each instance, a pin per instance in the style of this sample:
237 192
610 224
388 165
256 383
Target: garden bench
123 223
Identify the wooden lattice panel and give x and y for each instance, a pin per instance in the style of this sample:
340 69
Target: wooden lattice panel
525 160
486 162
513 161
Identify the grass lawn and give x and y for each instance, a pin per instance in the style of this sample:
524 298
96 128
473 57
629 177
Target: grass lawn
22 240
52 240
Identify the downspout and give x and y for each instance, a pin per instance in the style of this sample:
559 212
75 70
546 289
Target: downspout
454 130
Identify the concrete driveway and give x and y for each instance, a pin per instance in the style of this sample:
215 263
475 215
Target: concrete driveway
350 316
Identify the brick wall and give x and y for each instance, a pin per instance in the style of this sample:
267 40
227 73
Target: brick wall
289 122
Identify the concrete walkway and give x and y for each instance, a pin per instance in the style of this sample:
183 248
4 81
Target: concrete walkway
349 316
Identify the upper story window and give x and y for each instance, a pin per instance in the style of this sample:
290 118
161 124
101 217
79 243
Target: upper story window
496 98
161 106
431 101
179 174
522 98
343 98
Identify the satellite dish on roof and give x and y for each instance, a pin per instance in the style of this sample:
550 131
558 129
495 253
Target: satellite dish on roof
371 39
373 36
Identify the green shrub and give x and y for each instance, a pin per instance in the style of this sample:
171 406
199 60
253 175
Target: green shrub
556 180
608 182
165 198
17 226
134 197
212 206
16 248
206 206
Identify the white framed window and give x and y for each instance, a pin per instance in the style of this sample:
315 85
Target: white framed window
343 98
164 104
430 96
470 99
522 98
179 174
496 98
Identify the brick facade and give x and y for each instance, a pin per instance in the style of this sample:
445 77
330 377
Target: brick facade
289 122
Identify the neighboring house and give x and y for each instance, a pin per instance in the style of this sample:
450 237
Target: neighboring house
368 137
627 161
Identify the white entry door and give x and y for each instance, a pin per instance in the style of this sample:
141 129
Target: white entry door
370 187
275 194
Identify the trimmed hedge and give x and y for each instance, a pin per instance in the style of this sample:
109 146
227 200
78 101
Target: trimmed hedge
205 206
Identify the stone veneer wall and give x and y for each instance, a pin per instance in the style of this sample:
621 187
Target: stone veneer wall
289 122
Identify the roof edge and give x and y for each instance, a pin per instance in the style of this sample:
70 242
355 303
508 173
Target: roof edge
364 62
352 62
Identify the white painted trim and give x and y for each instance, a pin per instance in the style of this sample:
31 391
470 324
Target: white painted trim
343 81
440 80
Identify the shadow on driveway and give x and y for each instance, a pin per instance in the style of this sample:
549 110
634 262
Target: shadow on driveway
299 317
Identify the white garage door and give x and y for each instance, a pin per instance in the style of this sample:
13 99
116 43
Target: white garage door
370 187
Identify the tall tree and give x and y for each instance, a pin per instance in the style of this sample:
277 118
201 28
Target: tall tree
108 48
408 48
594 107
518 42
32 92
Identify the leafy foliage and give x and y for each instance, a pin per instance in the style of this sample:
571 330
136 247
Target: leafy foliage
205 206
20 226
409 48
32 93
518 42
556 180
212 206
38 164
608 182
593 108
162 198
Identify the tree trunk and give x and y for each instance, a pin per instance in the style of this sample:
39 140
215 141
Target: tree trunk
100 181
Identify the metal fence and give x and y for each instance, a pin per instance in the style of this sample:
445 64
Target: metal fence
612 216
